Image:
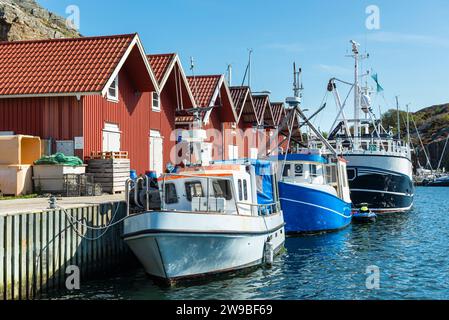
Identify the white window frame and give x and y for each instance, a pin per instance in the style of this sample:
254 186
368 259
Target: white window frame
158 99
116 87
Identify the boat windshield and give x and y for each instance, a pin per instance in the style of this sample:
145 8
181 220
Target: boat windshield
222 189
194 189
305 172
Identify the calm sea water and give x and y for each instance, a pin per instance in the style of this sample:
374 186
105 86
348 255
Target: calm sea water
410 250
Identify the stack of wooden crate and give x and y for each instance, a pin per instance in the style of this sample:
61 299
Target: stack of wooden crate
110 170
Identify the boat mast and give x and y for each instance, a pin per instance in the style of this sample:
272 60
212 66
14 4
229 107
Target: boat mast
355 50
442 154
399 120
296 81
250 52
248 69
408 125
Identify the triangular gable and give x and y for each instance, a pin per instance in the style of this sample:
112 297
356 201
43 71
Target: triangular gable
239 95
277 108
225 95
244 105
259 103
263 108
164 65
210 91
285 131
136 51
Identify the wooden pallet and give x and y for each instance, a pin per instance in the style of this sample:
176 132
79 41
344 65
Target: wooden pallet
109 155
111 174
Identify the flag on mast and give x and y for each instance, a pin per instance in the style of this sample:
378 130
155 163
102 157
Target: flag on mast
376 79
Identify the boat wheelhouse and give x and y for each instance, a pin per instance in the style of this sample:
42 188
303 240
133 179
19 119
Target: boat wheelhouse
211 220
314 192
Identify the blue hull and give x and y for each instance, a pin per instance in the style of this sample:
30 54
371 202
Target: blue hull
307 210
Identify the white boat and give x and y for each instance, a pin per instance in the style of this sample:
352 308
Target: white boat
212 220
380 168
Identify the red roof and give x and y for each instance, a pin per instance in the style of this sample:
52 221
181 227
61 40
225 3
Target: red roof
203 88
285 130
80 65
160 63
180 120
239 95
244 104
263 109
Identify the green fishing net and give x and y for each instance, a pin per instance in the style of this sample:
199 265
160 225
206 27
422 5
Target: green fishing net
60 158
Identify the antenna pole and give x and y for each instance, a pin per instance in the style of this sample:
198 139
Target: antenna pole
355 50
399 119
380 118
408 124
297 83
230 74
249 67
192 68
294 78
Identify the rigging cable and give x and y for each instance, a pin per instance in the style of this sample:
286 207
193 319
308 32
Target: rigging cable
442 154
422 145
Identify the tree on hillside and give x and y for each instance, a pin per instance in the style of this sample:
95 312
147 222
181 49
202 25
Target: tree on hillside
390 119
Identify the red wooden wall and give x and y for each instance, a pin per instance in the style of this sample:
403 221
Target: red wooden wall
164 120
131 114
59 118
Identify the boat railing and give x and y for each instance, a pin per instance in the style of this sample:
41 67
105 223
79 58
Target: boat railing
264 209
372 145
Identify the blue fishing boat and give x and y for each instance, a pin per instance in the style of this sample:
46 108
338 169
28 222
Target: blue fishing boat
313 181
314 192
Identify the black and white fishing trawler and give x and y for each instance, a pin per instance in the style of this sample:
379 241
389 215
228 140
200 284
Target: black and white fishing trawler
379 163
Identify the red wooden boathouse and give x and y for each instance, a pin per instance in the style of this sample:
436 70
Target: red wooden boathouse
247 122
175 94
86 94
211 91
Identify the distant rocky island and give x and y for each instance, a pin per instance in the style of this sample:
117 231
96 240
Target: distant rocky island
27 20
433 126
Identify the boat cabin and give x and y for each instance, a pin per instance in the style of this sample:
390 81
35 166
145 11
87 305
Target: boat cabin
325 173
242 189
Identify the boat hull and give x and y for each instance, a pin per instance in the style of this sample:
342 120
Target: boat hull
307 210
214 244
383 182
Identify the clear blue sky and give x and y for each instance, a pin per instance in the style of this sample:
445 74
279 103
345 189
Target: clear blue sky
410 51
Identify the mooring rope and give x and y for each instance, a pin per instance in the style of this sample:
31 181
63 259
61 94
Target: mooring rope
106 228
72 225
